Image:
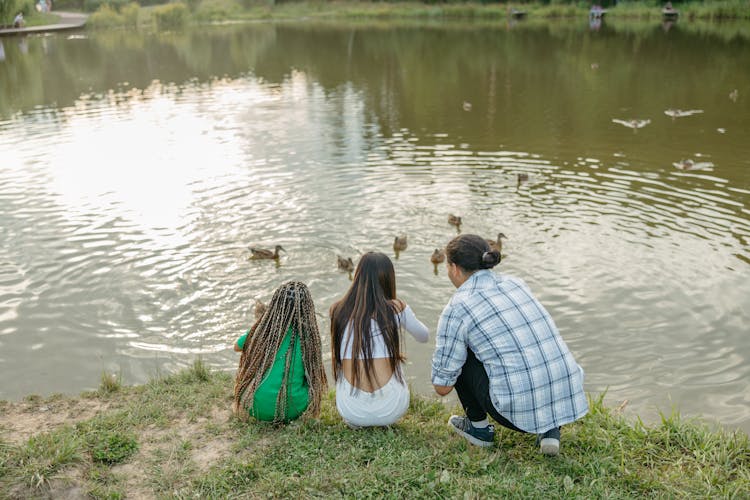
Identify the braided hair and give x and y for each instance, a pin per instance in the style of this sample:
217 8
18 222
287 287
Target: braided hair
291 307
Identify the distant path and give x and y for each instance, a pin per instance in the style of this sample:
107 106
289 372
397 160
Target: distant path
68 21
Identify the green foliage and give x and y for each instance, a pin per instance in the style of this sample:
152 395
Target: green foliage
109 382
112 447
199 371
717 10
95 5
224 480
193 4
5 451
43 456
171 16
7 11
130 13
75 5
107 17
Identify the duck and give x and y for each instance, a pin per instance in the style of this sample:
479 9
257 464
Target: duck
467 106
259 310
345 264
399 243
733 95
679 113
684 164
634 124
498 243
264 253
454 220
522 177
438 256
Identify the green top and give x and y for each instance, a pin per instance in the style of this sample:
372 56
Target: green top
264 400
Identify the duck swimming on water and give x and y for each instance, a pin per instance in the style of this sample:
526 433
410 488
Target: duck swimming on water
399 243
264 253
438 256
345 264
454 220
679 113
634 124
498 243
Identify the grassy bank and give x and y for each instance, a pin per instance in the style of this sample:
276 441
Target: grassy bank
204 11
176 437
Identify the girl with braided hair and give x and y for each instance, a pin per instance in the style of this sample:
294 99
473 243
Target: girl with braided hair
281 374
366 345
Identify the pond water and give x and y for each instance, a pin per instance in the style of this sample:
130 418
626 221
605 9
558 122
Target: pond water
137 168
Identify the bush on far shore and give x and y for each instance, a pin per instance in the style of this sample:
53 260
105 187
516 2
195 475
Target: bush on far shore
170 16
109 16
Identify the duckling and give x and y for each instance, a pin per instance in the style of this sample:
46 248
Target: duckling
454 220
399 243
684 164
345 264
263 253
522 177
438 256
496 244
259 310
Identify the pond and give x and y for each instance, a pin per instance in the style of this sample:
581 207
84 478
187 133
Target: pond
137 168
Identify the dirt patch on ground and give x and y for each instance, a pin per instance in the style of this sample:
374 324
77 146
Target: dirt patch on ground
19 421
210 443
170 453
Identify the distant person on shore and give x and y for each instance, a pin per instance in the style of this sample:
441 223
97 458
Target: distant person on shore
18 21
501 351
367 347
281 375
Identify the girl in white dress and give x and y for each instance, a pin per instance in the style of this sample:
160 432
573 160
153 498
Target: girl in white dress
366 342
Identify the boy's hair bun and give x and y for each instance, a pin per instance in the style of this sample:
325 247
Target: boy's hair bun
490 259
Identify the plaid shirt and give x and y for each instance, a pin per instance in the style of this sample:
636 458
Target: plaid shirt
534 380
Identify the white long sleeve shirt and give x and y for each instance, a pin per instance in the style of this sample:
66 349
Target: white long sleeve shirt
405 319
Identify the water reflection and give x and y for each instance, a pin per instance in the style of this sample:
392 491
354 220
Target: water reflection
139 169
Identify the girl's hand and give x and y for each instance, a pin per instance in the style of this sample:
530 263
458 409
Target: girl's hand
399 304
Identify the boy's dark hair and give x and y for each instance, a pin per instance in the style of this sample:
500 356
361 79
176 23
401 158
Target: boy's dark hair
471 253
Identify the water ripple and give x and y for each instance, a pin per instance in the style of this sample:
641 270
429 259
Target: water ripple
140 262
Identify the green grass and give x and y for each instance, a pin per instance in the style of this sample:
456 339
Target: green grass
110 382
175 437
703 10
177 15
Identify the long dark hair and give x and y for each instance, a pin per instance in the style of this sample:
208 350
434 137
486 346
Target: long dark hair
471 253
369 298
291 307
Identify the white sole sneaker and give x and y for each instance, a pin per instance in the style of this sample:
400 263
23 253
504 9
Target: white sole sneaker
550 446
473 440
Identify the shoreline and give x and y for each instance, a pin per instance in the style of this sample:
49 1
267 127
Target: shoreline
176 436
222 11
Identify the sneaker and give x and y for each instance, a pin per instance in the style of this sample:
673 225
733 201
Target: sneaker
480 437
549 442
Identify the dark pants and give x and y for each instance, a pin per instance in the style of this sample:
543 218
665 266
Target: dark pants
473 389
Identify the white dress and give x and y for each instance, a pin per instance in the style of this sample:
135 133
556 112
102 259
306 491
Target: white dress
387 404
